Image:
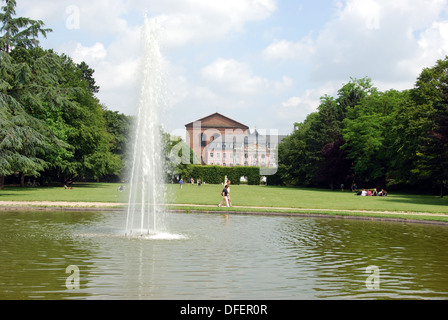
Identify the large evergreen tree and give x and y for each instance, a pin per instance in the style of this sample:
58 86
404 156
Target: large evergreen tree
50 118
19 31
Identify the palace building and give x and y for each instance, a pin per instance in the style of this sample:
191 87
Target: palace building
219 140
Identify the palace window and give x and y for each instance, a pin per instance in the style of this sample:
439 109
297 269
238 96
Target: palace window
203 140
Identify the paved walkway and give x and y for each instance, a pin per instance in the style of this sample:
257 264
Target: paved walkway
60 204
108 205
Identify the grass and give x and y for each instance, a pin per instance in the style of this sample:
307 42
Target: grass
312 201
252 198
82 192
265 196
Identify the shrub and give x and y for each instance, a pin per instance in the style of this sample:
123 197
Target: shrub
217 174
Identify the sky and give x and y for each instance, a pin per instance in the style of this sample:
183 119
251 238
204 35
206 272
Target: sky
264 63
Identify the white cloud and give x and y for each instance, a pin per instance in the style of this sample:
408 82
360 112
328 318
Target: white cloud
434 41
298 107
234 76
106 40
286 83
288 50
193 21
89 54
292 102
389 41
229 75
369 11
98 17
118 76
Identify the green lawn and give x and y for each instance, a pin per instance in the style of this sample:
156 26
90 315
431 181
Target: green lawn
242 196
264 196
84 192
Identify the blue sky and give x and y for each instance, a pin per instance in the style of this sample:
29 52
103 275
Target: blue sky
264 63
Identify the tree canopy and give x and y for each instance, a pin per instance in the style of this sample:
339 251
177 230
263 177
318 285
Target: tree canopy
372 138
51 123
20 31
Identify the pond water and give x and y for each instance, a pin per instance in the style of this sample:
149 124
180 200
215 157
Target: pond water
85 255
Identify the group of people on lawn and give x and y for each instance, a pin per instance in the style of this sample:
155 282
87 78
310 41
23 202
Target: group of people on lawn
190 181
374 193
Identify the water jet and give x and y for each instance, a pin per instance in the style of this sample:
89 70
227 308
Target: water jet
145 213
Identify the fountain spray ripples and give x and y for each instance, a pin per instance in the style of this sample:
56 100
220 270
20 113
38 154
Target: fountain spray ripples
165 236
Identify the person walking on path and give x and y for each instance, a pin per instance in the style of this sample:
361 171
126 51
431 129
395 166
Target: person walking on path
228 193
224 194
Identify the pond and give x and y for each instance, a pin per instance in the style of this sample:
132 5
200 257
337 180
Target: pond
85 255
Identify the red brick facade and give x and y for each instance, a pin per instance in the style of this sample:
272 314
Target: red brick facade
202 132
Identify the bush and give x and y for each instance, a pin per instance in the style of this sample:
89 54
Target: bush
217 174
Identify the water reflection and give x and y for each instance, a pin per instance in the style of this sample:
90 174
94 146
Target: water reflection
219 257
412 259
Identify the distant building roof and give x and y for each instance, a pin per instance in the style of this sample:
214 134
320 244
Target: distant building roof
217 120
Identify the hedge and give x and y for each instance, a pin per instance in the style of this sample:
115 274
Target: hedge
217 174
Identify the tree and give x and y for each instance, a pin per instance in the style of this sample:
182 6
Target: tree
312 155
50 117
118 126
19 31
87 75
55 91
336 167
178 156
353 92
392 138
333 169
82 118
368 132
24 139
405 127
431 95
295 164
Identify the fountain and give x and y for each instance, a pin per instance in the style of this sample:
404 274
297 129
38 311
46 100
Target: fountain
145 214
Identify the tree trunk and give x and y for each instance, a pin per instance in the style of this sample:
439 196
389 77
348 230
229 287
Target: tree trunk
2 182
22 179
441 189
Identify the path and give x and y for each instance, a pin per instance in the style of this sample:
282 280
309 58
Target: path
59 204
109 205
